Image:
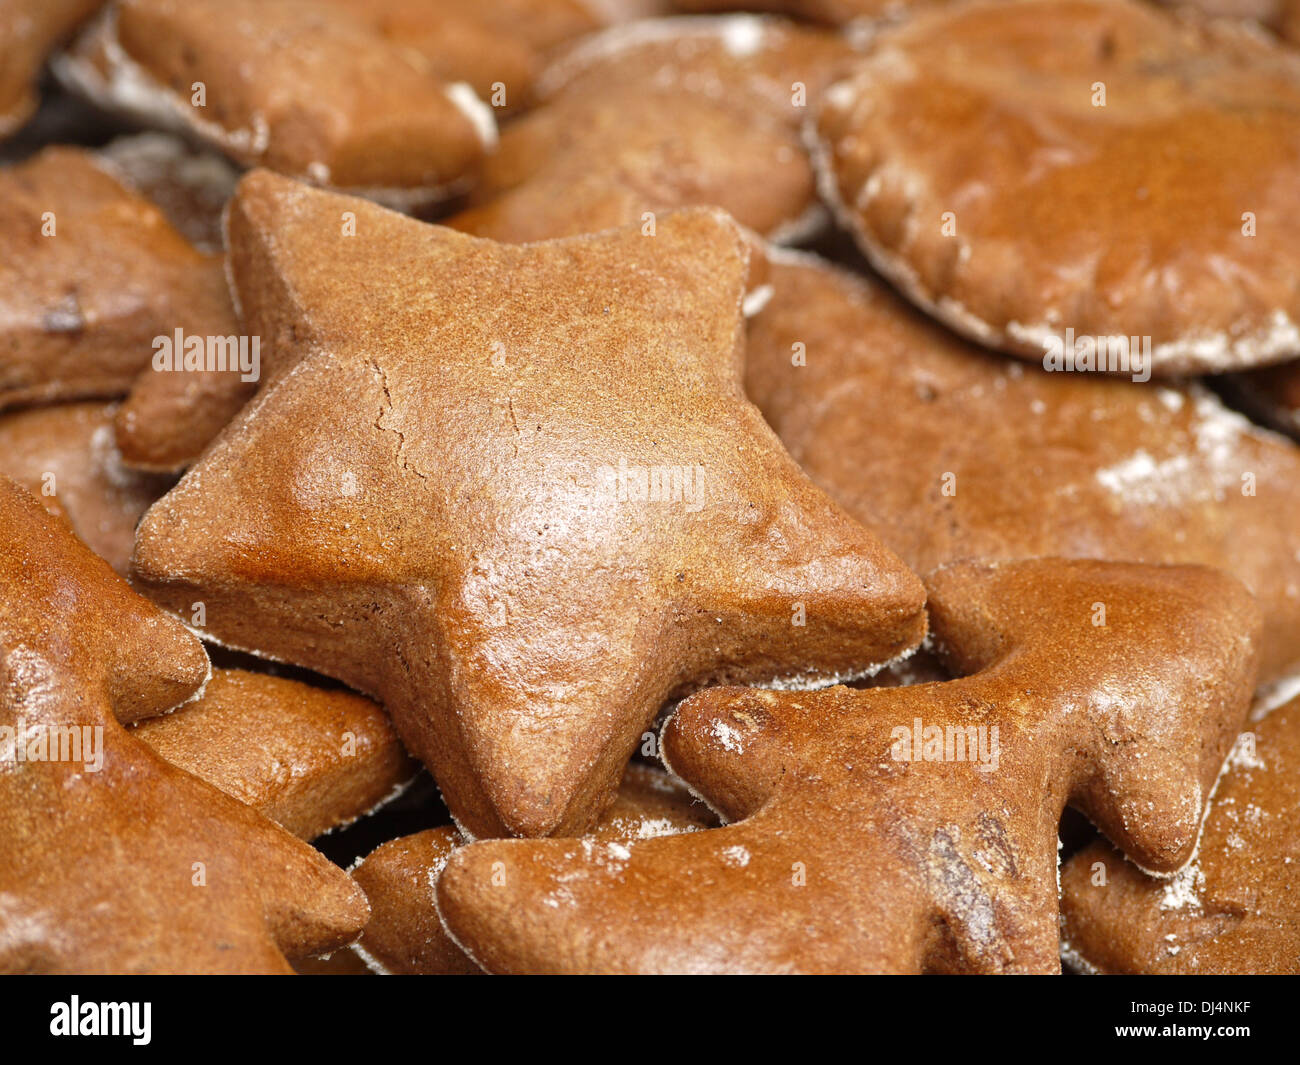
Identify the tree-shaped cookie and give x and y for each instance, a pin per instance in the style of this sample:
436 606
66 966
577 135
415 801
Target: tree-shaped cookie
904 829
514 492
111 860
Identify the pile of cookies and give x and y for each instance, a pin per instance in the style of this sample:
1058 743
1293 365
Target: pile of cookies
591 486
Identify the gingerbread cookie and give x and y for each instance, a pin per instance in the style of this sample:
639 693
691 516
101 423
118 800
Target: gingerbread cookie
172 414
65 456
664 114
91 276
533 511
949 452
497 47
310 759
1048 176
304 87
29 30
1235 908
903 829
111 860
404 934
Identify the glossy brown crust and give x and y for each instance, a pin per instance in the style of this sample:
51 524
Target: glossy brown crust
29 30
435 518
492 45
889 405
79 309
309 759
1235 908
1127 219
303 87
98 867
405 935
850 859
65 456
169 418
658 115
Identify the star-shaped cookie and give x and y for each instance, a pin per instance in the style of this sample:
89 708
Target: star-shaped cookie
111 860
903 829
514 492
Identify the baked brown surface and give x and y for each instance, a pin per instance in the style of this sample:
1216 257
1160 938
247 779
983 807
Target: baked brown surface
405 935
533 493
90 274
972 161
1235 908
950 453
304 87
184 879
664 114
310 759
849 859
498 47
453 542
29 29
65 456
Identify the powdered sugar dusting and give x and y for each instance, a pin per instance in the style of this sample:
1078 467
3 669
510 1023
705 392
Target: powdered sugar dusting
1182 890
727 736
1141 478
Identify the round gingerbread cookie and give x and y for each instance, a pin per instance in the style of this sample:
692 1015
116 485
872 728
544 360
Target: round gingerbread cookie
1038 171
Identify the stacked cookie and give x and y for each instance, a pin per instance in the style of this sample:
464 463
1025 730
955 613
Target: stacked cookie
648 492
